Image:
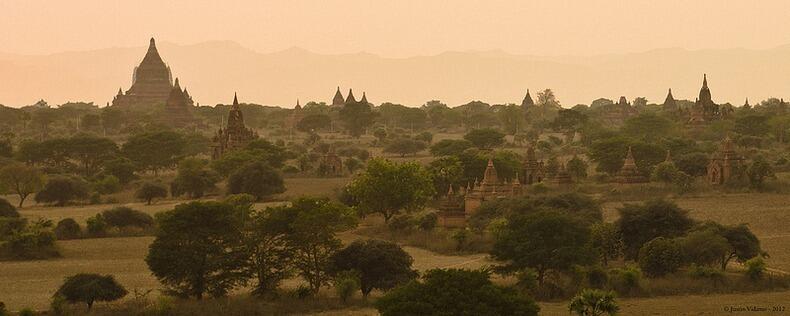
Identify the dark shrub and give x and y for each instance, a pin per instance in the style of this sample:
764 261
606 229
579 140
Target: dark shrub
97 227
28 244
660 257
10 224
68 229
61 190
89 288
7 210
123 216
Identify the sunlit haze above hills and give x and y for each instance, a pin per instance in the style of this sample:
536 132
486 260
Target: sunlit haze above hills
403 52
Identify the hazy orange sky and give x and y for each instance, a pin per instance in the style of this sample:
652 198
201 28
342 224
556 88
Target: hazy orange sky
398 28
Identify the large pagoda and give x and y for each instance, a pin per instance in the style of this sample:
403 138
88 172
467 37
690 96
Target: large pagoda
152 82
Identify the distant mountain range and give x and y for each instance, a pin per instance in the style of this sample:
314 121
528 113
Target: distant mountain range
213 71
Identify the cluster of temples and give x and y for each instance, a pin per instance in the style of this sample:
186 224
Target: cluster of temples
339 101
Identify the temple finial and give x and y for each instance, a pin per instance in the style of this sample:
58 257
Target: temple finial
235 99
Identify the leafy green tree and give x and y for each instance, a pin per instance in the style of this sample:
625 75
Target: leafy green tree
380 134
742 243
379 264
511 117
149 191
194 178
569 120
753 125
664 172
388 188
446 171
89 288
257 179
121 168
640 223
450 147
155 151
648 126
592 302
704 248
346 283
59 190
21 179
314 122
312 234
357 117
755 268
694 164
198 249
606 241
405 146
485 138
267 245
543 241
91 152
659 257
758 171
577 167
455 292
609 154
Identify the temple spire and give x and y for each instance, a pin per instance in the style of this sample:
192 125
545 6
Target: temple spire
176 85
704 81
527 102
364 99
490 176
235 100
350 97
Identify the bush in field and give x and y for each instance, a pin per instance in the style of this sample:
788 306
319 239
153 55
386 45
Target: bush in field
640 223
194 178
67 228
455 292
704 248
625 280
61 190
96 225
90 288
660 257
7 210
257 179
107 185
590 302
10 224
150 191
346 284
485 138
378 264
123 217
35 241
755 268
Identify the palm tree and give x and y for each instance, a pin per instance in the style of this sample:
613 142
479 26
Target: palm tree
591 302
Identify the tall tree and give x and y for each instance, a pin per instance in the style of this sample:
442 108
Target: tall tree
388 188
198 249
155 150
379 264
22 180
312 234
357 117
543 241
